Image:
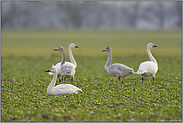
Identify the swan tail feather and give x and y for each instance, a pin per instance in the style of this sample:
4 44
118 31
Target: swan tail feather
80 91
140 72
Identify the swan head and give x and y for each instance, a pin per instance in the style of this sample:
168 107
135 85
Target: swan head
150 45
107 49
72 45
53 69
60 48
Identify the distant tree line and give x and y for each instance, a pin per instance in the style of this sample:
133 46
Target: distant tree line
116 15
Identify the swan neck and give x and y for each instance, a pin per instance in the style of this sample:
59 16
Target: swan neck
109 60
72 58
63 58
151 56
52 84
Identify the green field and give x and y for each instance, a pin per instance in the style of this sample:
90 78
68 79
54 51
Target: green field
25 55
91 43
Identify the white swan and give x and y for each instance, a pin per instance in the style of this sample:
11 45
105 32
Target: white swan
148 68
117 69
73 62
67 69
72 45
62 88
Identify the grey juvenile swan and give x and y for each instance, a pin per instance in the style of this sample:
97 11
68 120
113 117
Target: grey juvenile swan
58 65
116 69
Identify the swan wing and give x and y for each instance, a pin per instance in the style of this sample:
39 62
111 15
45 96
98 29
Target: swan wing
66 88
68 69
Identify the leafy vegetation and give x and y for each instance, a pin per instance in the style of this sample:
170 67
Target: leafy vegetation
24 82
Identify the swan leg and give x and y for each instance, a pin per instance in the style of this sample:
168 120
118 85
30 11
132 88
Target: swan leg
72 79
119 78
64 79
142 80
59 79
153 80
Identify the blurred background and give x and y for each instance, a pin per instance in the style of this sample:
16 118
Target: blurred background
35 28
100 15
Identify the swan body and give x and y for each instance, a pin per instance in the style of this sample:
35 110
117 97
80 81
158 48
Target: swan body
67 69
116 69
62 88
119 70
148 68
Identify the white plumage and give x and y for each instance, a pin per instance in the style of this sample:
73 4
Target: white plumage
148 68
62 88
67 70
117 69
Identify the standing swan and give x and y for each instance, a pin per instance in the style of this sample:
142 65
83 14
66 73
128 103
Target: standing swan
67 69
117 69
148 68
73 62
62 88
58 65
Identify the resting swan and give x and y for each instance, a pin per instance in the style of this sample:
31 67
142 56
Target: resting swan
62 88
67 69
58 65
148 68
117 69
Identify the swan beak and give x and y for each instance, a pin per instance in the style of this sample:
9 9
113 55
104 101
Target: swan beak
155 46
103 50
48 70
76 46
